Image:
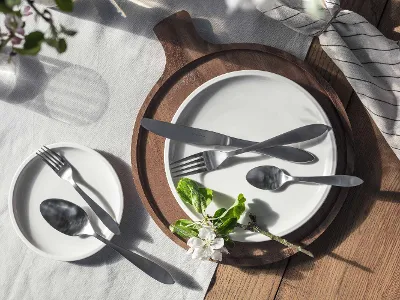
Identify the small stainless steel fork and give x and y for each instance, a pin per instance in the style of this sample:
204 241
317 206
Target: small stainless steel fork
64 170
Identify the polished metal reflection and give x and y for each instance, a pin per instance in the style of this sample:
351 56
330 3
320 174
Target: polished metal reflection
65 171
211 160
203 137
272 178
72 220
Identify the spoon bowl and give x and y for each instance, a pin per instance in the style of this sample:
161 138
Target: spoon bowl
66 217
267 177
72 220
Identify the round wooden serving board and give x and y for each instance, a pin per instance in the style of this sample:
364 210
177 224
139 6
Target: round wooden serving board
190 62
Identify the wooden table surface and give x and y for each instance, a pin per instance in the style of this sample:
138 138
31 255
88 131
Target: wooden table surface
358 257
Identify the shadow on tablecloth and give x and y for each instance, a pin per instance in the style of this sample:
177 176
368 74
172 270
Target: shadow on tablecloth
133 228
60 90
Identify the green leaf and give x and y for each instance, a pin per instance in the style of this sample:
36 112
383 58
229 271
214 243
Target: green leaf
51 42
219 212
184 190
4 8
68 32
12 3
65 5
184 222
3 43
34 40
188 223
228 241
31 51
196 200
236 210
61 46
183 231
227 226
191 193
208 196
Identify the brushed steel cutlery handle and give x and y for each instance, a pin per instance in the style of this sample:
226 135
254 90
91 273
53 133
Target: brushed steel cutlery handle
100 212
282 152
147 266
297 135
335 180
197 136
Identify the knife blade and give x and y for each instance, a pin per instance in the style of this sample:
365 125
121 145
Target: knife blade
209 138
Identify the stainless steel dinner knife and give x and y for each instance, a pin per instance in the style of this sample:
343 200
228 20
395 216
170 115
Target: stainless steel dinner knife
209 138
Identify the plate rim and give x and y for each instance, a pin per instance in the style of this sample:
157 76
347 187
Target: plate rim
228 75
246 254
14 181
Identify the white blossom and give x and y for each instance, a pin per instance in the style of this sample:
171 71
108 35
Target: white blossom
206 245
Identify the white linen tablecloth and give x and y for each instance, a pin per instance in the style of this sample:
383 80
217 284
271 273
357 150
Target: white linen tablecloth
91 95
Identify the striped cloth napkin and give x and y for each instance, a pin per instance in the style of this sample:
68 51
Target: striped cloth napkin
370 61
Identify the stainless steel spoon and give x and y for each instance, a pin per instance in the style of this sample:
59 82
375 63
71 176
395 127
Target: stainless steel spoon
72 220
272 178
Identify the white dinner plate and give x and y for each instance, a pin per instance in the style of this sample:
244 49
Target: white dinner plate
256 105
34 182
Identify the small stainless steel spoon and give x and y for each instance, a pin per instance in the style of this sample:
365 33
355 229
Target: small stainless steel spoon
72 220
272 178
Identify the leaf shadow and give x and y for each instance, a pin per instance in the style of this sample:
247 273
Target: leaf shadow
261 207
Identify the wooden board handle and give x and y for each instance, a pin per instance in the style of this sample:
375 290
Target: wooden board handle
180 41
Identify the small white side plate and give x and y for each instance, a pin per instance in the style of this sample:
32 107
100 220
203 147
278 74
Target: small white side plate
35 182
256 105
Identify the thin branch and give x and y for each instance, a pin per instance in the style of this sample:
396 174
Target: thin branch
48 19
32 4
252 226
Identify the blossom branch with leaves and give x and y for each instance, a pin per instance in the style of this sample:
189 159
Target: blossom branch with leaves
13 33
209 238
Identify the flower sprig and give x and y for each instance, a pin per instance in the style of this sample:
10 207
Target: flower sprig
13 33
208 237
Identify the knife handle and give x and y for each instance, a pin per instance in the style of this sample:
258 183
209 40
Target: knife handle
297 135
147 266
282 152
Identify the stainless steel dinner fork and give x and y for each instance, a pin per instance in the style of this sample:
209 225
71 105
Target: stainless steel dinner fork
210 160
64 170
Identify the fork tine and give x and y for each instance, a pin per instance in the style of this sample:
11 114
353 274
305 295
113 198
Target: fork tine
188 163
190 173
49 163
51 158
200 165
55 154
187 158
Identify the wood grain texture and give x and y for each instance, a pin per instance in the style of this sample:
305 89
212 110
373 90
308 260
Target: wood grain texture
256 283
358 255
324 66
192 61
297 282
389 24
370 9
